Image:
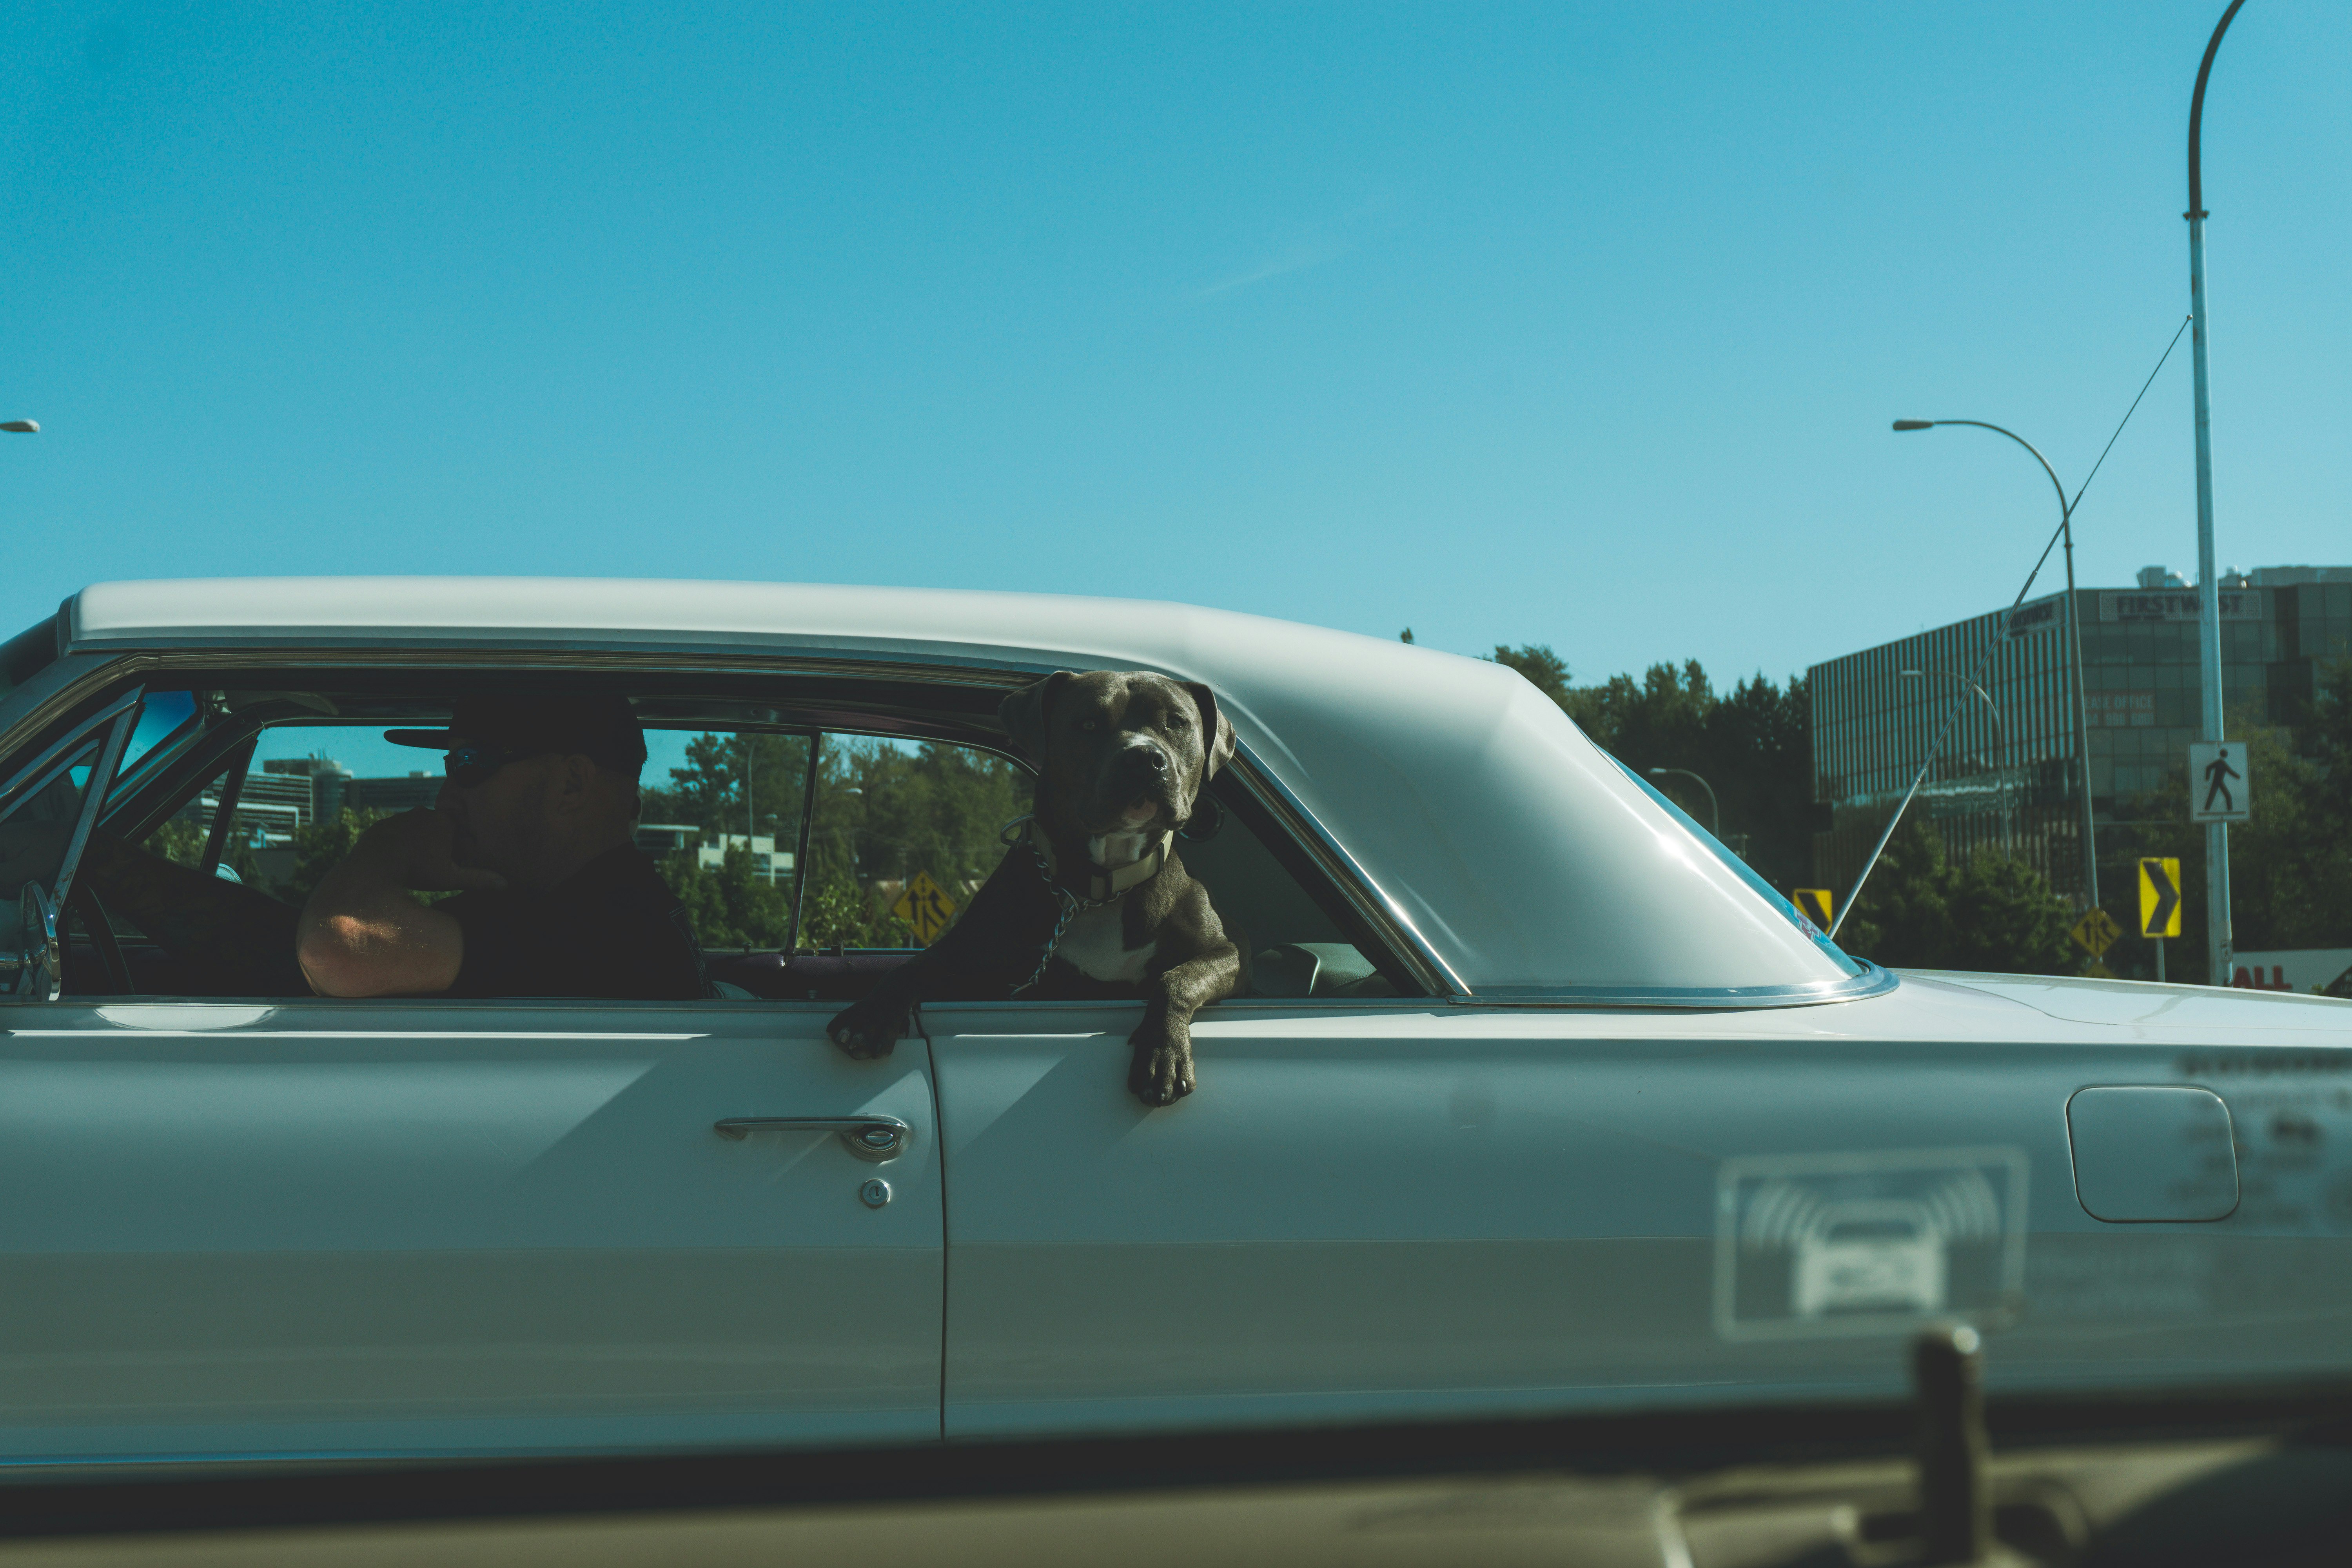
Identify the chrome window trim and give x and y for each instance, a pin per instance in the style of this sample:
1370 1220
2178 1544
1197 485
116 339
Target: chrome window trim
1873 981
102 781
18 789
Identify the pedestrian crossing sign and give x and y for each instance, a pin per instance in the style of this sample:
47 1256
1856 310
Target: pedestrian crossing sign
2220 782
925 906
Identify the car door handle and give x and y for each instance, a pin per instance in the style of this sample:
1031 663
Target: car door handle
866 1135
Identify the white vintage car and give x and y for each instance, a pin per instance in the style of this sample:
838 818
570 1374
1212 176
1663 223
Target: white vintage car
1537 1101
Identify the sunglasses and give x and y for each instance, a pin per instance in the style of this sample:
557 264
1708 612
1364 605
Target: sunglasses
471 767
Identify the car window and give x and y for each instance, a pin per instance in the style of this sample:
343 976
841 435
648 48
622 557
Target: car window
720 813
306 793
896 816
163 716
807 862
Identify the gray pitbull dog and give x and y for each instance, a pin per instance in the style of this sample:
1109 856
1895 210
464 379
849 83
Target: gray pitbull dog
1090 900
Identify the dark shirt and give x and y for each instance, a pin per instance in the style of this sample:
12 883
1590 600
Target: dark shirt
614 930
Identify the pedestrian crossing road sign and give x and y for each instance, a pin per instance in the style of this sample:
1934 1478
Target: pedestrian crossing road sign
2097 932
925 906
1813 903
2220 782
2159 896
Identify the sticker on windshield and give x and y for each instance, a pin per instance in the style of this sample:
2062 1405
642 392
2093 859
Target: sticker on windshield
1810 1244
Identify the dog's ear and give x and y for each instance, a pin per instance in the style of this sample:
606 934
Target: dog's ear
1216 729
1025 713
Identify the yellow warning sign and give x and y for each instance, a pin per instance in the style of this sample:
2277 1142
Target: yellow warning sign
1813 903
2159 896
2097 932
925 906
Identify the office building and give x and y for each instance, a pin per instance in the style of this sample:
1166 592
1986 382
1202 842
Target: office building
2008 773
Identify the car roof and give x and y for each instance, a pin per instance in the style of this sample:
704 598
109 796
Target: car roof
1522 856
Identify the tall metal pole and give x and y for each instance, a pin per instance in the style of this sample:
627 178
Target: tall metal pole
2081 720
2218 939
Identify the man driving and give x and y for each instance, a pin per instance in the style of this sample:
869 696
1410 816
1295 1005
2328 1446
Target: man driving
533 828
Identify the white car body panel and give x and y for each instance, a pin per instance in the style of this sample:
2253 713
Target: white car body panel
1401 1211
467 1228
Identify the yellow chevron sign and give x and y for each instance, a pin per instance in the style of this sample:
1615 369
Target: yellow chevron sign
2159 896
1813 903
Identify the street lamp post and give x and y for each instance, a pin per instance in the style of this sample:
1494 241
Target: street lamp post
2219 937
1713 810
2075 630
2000 744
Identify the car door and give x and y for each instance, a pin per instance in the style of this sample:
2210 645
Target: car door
304 1225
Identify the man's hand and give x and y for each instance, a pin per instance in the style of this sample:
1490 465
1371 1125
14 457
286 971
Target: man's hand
362 934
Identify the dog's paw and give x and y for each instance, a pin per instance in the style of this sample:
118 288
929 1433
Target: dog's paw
1162 1073
867 1029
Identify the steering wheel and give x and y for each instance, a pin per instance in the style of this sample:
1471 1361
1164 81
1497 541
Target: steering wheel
82 899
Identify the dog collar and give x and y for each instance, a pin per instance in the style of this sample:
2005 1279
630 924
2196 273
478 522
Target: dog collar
1102 884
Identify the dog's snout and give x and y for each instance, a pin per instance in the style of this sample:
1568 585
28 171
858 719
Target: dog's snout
1155 760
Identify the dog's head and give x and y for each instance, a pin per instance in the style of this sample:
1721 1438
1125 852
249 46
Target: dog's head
1119 753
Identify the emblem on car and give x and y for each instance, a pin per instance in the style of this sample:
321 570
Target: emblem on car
1817 1244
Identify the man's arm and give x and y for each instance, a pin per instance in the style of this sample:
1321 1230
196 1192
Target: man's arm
363 935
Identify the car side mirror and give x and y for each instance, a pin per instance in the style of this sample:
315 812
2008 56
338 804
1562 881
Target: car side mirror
34 969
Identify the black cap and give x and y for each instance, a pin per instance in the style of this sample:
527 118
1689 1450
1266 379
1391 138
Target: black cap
603 728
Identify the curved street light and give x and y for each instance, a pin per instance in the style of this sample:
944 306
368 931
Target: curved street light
2075 633
2000 744
1713 810
2219 940
21 427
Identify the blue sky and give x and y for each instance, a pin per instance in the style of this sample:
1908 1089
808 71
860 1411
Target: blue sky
1570 324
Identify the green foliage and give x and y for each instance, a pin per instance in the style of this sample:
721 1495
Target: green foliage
183 843
730 905
2290 863
1545 670
884 810
178 841
842 914
1920 911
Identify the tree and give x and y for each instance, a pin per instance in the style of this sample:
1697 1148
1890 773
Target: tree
1545 670
2290 863
1995 912
884 810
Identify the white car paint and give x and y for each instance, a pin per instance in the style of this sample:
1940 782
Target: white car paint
1504 1198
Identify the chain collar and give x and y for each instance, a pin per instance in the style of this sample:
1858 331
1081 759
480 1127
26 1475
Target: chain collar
1103 889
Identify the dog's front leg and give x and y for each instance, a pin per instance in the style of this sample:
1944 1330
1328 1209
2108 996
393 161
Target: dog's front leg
871 1025
1161 1070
